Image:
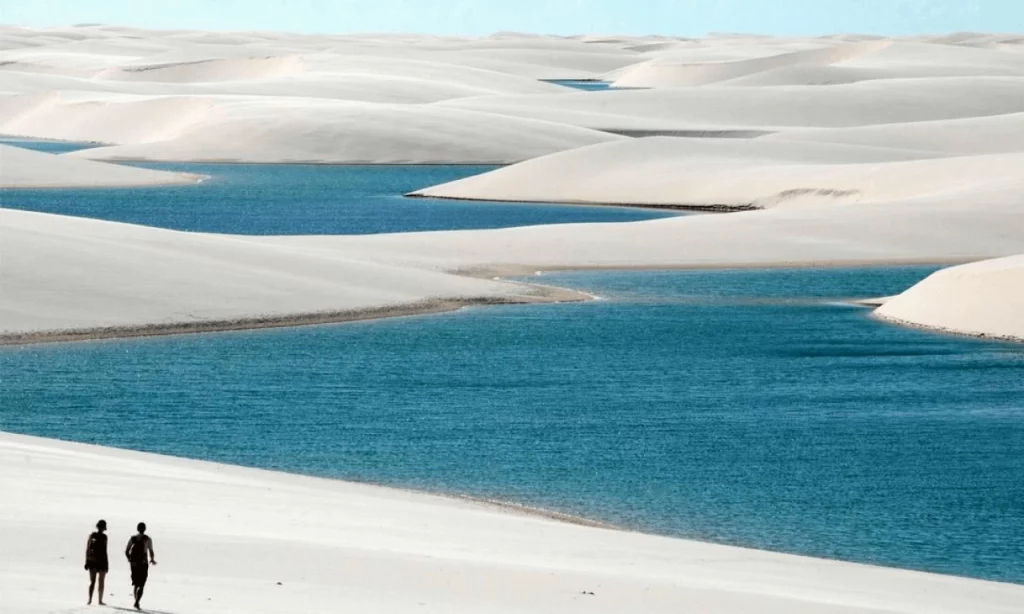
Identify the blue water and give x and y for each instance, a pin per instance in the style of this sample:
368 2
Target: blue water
54 147
745 407
307 199
589 86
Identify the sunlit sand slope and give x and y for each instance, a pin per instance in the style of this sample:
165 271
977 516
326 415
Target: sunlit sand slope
69 274
729 173
982 298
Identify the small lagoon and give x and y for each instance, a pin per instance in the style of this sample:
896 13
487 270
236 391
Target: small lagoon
298 199
587 85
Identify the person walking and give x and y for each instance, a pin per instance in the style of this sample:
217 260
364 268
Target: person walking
96 561
140 554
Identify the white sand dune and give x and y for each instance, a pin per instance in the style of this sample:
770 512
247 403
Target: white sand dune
213 70
221 534
197 92
856 104
661 73
100 117
981 298
279 129
970 136
717 173
719 48
307 130
23 168
383 80
68 83
940 228
536 57
68 274
65 51
844 62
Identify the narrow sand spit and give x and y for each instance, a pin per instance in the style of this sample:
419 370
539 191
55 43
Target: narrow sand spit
23 168
221 533
72 278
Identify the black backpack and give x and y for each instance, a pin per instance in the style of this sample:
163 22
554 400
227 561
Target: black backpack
137 549
92 552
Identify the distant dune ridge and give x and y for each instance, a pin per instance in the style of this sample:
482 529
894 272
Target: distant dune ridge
843 149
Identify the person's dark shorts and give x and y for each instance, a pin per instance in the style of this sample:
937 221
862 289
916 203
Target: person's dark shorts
140 573
99 565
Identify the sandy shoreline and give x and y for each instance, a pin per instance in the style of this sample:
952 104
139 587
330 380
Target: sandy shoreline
505 507
710 208
940 330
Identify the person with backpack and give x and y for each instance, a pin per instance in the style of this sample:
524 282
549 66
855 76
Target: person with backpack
140 554
96 561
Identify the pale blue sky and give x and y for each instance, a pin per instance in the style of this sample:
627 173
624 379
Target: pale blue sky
472 17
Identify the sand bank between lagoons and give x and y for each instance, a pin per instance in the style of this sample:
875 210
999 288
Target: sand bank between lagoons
231 539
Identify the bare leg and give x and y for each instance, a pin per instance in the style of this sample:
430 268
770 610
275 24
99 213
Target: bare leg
103 577
92 583
138 596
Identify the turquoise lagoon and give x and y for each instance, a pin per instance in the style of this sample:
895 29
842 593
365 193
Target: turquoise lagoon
302 199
